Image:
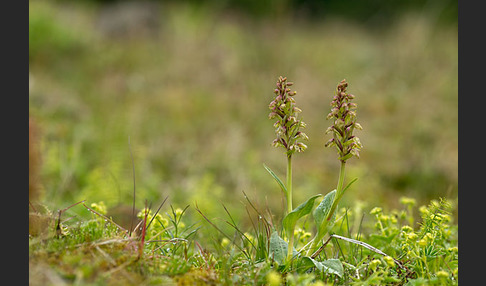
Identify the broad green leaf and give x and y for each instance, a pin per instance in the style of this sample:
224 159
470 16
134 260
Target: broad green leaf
278 248
336 200
322 210
303 209
331 266
277 179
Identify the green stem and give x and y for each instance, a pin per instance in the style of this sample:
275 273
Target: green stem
290 250
289 183
289 205
339 190
341 178
318 237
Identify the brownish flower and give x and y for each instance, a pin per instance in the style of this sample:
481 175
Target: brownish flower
344 113
287 126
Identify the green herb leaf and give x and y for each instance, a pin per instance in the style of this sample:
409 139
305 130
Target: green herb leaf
331 266
277 179
321 212
278 248
347 186
303 209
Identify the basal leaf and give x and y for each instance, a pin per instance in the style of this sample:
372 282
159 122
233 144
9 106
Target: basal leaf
303 209
331 266
322 210
278 248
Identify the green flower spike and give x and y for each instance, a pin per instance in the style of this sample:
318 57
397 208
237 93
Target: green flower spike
344 115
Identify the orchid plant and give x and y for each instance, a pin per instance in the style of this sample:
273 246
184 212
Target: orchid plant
289 135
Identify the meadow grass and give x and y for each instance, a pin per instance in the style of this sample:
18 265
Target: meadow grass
193 96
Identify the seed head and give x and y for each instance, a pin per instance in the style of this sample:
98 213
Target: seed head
343 111
288 124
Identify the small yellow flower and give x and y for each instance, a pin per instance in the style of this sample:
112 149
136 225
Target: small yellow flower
447 218
225 242
141 214
389 261
178 212
298 232
412 236
407 201
403 215
273 278
407 229
385 218
442 274
99 207
374 264
423 210
423 242
376 211
453 249
161 220
250 237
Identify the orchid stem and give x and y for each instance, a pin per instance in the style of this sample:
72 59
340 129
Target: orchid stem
289 205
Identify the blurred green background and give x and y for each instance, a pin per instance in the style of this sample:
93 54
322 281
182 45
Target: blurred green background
189 82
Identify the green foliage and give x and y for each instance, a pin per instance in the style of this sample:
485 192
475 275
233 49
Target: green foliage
322 212
49 37
277 179
330 266
290 220
426 254
278 249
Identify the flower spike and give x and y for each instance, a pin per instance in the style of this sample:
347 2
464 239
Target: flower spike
343 111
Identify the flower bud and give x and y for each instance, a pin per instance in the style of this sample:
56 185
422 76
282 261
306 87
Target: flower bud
329 143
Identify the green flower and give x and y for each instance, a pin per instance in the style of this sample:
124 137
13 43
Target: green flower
389 261
141 214
407 229
225 242
407 201
288 125
344 115
99 207
441 274
273 278
376 211
374 264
